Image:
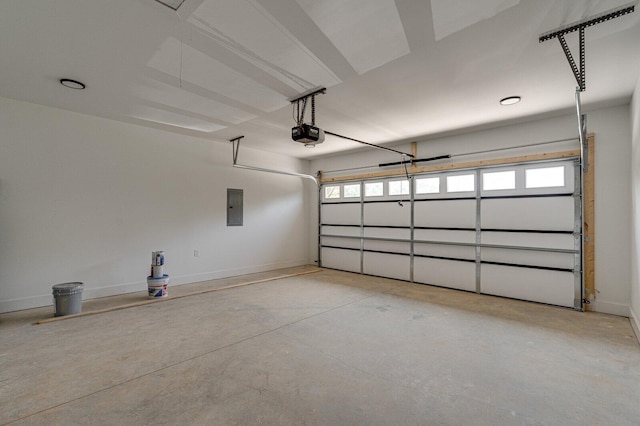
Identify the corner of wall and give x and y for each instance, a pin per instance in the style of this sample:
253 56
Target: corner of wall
635 323
634 309
604 307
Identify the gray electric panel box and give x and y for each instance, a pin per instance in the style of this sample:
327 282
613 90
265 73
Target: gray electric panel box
234 207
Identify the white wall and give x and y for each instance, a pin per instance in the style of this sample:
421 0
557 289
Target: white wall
635 212
88 199
613 206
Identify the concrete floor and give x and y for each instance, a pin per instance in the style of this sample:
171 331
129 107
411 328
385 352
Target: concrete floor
328 348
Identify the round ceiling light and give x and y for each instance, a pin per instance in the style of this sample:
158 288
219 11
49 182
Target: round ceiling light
72 84
510 100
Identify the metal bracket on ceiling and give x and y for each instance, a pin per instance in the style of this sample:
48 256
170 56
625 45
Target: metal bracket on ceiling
559 33
236 148
313 92
299 116
577 73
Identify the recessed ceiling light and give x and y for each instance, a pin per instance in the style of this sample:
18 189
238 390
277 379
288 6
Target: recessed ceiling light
72 84
510 100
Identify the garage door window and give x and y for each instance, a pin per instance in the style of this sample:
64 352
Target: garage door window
495 181
428 185
331 192
548 177
373 189
352 191
399 187
461 183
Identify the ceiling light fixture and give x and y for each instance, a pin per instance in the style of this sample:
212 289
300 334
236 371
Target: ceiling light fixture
72 84
510 100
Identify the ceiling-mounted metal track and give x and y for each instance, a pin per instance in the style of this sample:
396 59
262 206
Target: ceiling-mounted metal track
559 33
299 117
236 148
369 144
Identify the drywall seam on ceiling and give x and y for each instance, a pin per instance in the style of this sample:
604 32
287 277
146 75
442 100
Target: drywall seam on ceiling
451 16
368 33
234 40
297 42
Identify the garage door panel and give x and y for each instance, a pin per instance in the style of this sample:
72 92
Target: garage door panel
386 265
341 242
542 286
530 258
441 250
352 231
341 214
445 273
346 260
445 235
544 213
388 233
387 214
554 241
446 213
388 246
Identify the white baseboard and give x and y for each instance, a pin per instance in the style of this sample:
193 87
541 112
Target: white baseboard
619 309
22 303
635 323
113 290
226 273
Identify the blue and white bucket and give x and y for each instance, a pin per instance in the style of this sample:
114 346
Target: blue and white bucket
158 287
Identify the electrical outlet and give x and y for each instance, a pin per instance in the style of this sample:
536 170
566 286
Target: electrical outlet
196 253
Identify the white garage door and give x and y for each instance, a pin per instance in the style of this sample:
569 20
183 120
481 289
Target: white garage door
511 231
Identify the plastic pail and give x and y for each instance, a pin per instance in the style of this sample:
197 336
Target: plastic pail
67 298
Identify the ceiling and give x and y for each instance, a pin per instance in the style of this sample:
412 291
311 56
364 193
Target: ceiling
395 70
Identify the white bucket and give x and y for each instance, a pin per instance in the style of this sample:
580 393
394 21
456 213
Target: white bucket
157 271
158 287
